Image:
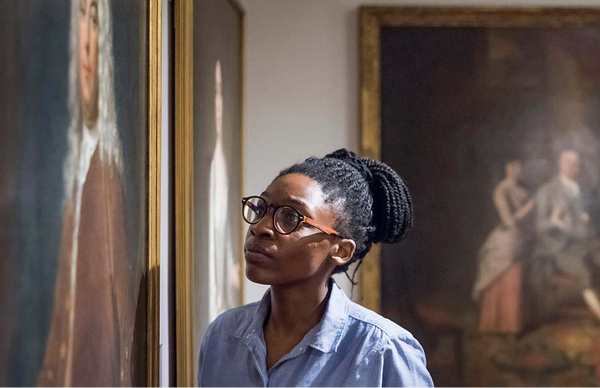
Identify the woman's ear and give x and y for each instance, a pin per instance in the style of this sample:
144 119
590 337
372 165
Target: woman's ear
342 251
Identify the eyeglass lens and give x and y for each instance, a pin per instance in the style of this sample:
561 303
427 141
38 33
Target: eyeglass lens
254 209
286 219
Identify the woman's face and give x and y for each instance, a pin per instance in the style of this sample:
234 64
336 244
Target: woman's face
276 259
88 58
513 169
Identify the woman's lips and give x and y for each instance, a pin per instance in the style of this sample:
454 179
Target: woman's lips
256 253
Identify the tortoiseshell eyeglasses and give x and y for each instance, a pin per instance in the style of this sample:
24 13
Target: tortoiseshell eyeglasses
286 219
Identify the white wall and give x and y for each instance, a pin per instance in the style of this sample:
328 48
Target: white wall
302 82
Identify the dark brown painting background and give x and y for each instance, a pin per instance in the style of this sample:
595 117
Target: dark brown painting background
456 105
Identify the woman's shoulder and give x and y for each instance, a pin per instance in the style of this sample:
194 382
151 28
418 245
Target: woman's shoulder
400 355
234 320
362 319
503 186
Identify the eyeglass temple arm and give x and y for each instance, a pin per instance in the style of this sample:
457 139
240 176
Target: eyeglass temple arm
322 227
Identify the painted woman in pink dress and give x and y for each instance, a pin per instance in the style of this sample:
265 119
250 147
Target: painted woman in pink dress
499 282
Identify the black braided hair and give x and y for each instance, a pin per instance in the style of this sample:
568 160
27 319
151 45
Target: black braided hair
372 201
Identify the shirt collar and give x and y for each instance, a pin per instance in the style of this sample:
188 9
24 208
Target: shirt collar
329 331
258 314
325 336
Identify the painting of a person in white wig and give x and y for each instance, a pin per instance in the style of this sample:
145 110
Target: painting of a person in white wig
91 331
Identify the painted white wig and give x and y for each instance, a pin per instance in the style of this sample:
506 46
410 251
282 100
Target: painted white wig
109 142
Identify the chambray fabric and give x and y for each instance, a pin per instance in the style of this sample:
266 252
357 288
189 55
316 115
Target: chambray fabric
351 346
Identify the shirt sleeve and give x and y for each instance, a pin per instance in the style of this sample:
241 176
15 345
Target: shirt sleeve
202 357
404 364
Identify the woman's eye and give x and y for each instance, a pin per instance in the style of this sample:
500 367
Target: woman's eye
291 218
94 14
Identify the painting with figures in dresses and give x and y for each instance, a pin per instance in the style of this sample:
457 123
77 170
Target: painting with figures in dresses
492 116
73 199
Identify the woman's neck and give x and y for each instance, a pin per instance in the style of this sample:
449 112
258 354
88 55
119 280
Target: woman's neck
297 308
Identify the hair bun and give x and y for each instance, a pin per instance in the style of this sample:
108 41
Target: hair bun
392 204
352 159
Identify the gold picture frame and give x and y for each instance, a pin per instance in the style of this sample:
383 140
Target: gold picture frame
184 108
154 166
185 340
371 20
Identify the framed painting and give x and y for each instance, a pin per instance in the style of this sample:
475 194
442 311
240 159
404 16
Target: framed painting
209 170
492 117
80 193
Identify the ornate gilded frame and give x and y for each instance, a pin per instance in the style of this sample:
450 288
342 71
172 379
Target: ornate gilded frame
372 19
184 157
154 141
184 175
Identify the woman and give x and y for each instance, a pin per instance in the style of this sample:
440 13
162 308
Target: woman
315 219
91 329
499 283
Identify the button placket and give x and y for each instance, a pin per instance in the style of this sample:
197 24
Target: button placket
255 351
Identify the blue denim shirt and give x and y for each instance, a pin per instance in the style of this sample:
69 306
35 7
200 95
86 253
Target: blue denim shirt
351 346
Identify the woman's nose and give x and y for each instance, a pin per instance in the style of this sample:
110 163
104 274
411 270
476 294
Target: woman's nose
264 227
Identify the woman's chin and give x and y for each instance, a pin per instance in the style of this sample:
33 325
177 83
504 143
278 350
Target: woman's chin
257 275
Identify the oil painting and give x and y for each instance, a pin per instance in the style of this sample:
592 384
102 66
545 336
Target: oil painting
217 164
76 207
492 117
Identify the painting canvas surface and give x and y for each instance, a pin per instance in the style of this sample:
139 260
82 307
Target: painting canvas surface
217 115
484 124
74 182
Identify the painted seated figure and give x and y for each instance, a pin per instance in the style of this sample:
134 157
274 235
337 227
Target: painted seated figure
567 251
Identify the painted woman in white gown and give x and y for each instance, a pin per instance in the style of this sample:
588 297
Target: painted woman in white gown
223 266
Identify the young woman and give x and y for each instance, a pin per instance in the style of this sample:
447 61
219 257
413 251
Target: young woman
315 219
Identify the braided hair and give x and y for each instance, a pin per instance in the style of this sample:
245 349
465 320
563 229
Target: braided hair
372 202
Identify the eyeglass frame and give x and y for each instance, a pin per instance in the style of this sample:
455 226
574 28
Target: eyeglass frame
303 219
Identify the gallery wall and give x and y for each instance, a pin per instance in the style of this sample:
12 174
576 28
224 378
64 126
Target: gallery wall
302 83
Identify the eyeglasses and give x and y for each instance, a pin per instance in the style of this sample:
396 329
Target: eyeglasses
286 219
